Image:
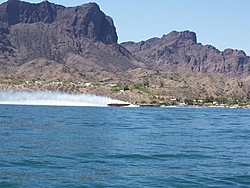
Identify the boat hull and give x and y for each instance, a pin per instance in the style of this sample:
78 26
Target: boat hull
118 104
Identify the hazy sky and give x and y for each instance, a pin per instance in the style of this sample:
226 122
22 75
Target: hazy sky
221 23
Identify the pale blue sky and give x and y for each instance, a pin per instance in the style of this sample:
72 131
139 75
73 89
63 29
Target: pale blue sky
221 23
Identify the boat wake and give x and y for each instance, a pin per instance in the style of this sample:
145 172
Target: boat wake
53 98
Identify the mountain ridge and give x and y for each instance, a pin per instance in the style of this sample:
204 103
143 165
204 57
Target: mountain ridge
85 38
179 51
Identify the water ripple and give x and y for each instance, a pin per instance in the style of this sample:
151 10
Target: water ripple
45 146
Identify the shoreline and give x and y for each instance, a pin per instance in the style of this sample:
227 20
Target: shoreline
135 96
145 105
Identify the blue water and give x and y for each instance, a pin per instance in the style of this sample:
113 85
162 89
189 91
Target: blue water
55 146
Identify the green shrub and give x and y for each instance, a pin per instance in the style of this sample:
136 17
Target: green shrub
96 84
138 85
125 88
115 89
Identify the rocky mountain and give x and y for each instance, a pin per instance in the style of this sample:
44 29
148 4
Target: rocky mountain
180 52
50 41
45 41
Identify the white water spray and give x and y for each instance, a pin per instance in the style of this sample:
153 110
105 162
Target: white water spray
55 98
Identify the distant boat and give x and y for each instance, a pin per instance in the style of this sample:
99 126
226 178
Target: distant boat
118 104
219 106
147 105
170 106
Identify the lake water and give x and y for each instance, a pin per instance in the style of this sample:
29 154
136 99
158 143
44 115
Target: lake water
63 146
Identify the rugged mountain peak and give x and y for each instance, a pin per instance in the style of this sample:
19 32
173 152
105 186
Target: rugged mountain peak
86 20
180 37
89 21
14 12
228 52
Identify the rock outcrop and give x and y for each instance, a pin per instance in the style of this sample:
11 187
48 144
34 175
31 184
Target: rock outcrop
179 51
86 20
